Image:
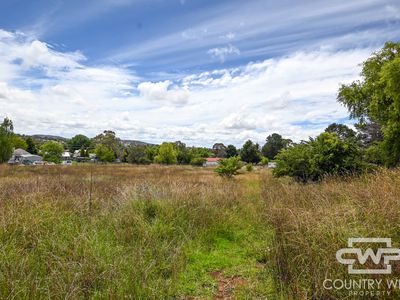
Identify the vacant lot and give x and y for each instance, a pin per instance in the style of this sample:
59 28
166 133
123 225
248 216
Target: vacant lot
156 232
136 232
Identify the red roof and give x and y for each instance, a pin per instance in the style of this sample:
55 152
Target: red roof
212 159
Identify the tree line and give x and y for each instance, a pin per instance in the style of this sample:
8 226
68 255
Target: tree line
107 147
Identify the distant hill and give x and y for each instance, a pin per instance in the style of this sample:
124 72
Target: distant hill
136 143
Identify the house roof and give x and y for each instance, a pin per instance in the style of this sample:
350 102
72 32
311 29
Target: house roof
212 159
20 152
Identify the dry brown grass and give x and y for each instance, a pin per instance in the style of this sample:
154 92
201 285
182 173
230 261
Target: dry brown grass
127 232
313 221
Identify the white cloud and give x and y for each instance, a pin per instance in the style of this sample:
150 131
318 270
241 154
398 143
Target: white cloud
223 52
159 91
47 91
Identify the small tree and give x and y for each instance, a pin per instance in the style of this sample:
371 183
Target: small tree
104 154
31 146
250 152
6 141
274 144
229 167
231 151
52 151
167 154
19 143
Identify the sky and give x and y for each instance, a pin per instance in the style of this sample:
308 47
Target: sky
198 71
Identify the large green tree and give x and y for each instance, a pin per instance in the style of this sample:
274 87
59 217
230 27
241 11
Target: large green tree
231 151
274 143
167 154
104 154
250 152
376 97
109 139
6 140
19 143
78 142
52 151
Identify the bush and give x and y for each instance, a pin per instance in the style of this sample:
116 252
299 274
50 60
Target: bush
104 154
197 161
52 151
229 167
264 161
249 167
327 154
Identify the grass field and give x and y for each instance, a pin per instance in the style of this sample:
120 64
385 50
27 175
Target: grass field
154 232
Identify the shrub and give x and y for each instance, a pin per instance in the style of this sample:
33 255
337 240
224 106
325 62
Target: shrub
264 161
197 161
249 167
229 167
327 154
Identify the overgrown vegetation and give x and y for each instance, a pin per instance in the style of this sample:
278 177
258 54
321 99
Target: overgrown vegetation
151 232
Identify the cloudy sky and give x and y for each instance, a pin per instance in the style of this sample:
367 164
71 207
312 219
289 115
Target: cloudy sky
199 71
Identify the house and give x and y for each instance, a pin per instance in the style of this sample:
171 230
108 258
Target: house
66 155
271 165
211 161
22 157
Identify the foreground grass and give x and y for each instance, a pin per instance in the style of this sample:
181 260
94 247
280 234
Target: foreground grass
311 222
156 232
131 232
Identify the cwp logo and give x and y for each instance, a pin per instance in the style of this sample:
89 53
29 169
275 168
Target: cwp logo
388 253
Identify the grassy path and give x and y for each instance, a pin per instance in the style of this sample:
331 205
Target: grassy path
234 263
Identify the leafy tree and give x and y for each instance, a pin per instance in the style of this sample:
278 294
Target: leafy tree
342 131
229 167
167 154
375 154
19 143
78 142
197 161
104 154
6 140
32 148
200 152
250 152
274 143
231 151
377 97
151 152
110 140
219 150
137 155
52 151
327 154
183 154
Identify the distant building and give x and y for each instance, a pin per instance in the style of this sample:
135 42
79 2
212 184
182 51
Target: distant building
211 161
272 165
22 157
66 155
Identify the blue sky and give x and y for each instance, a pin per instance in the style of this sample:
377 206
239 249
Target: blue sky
190 70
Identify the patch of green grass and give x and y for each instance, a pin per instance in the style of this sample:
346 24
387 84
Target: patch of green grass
234 252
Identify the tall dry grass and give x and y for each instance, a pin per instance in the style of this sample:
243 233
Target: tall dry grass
313 221
79 232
